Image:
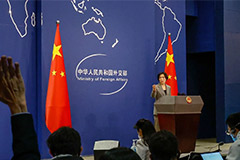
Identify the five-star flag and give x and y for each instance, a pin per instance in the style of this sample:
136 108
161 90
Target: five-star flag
57 102
170 69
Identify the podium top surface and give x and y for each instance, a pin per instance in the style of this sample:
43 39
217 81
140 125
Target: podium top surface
179 105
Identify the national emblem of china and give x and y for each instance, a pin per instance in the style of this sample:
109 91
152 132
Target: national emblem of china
189 100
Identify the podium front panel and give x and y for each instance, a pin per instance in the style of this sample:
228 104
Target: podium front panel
181 118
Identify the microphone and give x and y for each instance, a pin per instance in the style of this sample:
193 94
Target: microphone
218 145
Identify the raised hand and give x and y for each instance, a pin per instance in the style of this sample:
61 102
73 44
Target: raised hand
154 87
12 90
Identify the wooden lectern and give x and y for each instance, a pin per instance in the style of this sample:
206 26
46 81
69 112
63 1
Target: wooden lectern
180 115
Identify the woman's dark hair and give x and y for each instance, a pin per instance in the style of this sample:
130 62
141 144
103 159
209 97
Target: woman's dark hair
233 121
147 128
120 153
165 75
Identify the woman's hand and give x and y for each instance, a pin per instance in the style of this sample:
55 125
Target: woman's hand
154 88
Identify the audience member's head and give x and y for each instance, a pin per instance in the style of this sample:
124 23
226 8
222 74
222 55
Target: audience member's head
163 145
120 153
65 140
233 124
145 129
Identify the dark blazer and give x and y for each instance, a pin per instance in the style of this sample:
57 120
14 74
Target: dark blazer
160 93
25 146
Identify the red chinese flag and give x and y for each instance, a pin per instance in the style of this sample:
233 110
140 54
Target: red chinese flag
57 102
170 69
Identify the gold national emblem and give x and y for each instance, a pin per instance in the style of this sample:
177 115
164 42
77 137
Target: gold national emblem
189 100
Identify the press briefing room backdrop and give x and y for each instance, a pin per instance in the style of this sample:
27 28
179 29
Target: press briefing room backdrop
113 51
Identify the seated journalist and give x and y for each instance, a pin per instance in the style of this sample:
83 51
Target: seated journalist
233 125
65 144
163 145
145 129
12 93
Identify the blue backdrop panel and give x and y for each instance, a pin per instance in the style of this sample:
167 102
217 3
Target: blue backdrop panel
109 49
107 105
231 60
201 30
18 40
